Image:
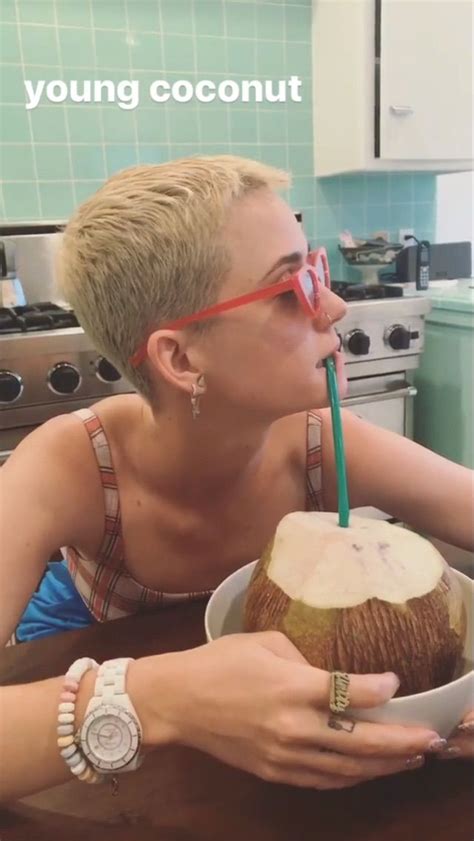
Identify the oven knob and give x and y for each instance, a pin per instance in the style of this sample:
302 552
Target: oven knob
64 378
11 387
398 337
106 371
357 342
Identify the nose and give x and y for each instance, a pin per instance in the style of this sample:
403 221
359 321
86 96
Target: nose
331 309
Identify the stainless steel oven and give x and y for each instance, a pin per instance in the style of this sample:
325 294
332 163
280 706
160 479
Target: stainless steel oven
382 338
386 401
48 365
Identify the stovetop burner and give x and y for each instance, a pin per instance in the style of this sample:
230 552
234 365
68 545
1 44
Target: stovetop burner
359 292
49 316
42 316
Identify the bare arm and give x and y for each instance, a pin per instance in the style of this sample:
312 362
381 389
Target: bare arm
419 487
28 738
250 700
50 497
28 721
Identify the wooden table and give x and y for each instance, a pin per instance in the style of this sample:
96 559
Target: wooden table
183 795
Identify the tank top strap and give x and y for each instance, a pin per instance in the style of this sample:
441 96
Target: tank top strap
314 484
111 549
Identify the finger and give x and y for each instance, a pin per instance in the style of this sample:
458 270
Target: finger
459 747
313 729
363 690
314 684
345 735
369 690
336 764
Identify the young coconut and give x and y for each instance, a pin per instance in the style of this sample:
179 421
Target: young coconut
369 598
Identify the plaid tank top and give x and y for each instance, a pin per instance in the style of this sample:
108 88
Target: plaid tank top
104 584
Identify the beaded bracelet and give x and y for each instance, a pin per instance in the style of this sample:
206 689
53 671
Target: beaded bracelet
67 744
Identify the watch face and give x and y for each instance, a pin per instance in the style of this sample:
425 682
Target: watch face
110 737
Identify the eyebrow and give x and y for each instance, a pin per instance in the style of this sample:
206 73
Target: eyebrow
285 260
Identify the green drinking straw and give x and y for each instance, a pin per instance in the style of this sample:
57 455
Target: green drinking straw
342 494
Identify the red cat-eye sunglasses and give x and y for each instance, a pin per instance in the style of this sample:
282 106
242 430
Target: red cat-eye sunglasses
306 283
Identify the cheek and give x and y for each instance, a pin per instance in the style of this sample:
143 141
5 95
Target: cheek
289 335
250 349
296 342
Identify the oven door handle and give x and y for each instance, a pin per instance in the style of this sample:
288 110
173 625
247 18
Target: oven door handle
378 396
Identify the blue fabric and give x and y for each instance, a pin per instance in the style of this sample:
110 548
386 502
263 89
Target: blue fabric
56 606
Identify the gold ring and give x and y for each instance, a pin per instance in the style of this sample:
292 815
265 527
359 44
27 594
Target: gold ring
330 320
339 698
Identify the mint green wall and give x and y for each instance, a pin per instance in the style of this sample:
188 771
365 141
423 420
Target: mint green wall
56 155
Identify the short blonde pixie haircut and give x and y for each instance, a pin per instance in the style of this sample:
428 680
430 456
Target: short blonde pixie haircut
146 249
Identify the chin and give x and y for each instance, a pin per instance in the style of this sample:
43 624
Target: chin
314 398
313 392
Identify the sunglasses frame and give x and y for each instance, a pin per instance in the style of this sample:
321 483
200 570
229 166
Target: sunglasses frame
293 283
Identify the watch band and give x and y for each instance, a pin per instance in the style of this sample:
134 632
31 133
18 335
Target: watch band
111 698
110 680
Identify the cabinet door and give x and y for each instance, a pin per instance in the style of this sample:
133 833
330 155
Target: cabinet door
426 89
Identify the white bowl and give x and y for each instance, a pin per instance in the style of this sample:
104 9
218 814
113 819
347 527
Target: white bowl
441 708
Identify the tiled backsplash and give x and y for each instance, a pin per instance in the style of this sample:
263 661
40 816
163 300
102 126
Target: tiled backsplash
54 156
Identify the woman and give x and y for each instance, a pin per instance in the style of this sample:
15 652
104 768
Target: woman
161 494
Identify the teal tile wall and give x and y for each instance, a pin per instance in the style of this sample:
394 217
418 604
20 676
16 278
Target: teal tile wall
53 157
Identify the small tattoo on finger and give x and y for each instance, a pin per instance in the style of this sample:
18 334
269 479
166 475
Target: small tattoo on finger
336 722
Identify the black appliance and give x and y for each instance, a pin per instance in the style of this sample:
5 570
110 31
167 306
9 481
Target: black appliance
447 261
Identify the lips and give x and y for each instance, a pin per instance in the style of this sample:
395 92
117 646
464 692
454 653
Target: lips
333 352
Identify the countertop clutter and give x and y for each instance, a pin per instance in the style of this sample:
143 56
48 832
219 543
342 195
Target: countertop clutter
183 795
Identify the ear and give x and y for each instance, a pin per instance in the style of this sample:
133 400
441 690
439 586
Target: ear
168 353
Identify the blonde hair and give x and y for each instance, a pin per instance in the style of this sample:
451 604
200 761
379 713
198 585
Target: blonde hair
146 248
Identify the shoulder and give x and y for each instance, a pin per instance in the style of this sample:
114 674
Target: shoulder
120 414
299 431
296 438
122 418
53 472
358 443
61 440
374 455
53 475
354 427
62 445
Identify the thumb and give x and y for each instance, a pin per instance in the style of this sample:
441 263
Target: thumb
364 690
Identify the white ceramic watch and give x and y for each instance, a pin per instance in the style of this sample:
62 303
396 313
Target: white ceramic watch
111 732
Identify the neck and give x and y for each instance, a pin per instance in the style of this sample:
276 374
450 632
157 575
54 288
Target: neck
203 457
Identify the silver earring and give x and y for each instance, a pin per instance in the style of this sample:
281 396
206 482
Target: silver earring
197 390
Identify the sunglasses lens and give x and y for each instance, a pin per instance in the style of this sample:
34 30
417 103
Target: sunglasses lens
319 269
310 292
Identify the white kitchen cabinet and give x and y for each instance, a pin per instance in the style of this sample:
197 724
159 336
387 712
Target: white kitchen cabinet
392 85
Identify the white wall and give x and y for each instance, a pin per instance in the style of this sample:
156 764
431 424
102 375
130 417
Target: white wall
455 208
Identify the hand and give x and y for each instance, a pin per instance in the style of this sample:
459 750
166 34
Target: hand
461 743
253 701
